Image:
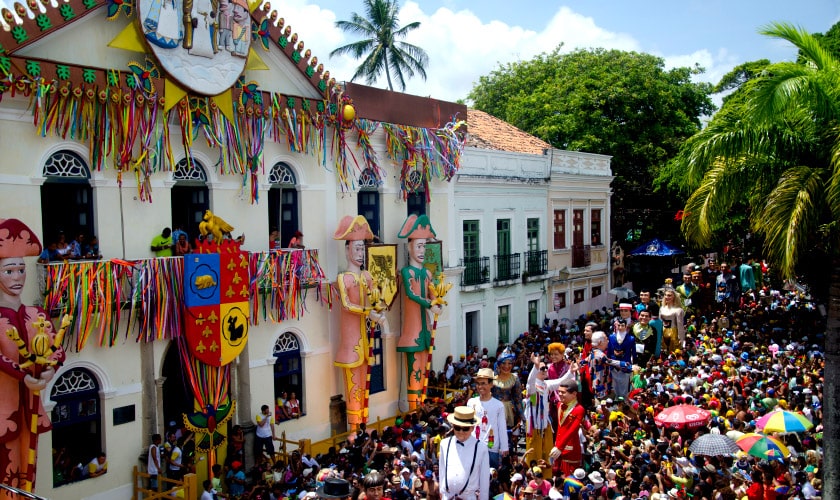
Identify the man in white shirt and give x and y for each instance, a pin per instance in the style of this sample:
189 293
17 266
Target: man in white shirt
264 441
153 462
464 461
490 412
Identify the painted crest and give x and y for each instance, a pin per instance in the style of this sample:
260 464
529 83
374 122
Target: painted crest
216 297
202 44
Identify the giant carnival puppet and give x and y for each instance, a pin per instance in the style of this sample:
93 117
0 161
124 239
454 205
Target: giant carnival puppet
360 304
31 353
420 297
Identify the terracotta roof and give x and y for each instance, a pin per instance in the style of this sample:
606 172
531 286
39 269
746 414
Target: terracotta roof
488 132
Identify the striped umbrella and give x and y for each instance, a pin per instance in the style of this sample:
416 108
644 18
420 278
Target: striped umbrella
713 445
761 446
783 421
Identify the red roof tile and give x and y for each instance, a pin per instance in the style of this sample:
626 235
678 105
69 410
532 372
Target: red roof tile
488 132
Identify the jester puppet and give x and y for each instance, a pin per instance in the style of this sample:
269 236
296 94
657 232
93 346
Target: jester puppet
356 289
418 300
30 352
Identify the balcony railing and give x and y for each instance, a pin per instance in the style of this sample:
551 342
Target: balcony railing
581 255
150 292
507 267
536 262
476 271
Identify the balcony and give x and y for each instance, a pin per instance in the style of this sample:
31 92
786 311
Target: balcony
581 255
150 292
507 267
476 271
536 263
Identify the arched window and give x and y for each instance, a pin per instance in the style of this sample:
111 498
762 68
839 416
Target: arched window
77 423
288 371
190 196
368 204
283 213
416 199
66 197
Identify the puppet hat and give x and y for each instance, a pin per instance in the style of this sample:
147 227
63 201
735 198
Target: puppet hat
17 240
353 229
417 227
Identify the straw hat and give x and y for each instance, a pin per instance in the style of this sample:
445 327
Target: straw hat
462 416
485 373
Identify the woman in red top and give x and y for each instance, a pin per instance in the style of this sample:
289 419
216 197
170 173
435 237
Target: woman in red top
566 452
756 489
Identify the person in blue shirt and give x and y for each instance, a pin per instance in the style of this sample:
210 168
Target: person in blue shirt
236 479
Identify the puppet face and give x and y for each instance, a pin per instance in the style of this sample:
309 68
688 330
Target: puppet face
555 355
644 297
355 253
644 317
417 250
12 276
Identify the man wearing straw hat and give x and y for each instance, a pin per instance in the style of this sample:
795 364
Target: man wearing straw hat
492 426
464 461
418 300
354 344
22 416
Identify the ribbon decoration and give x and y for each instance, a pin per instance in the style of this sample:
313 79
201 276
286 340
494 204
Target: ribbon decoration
280 281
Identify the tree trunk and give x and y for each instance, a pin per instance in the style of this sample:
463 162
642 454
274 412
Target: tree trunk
831 389
388 73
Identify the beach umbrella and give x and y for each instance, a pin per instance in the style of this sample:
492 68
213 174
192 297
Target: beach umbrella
683 417
713 445
761 446
783 421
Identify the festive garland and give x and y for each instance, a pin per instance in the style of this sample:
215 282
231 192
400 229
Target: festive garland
125 123
92 293
280 281
157 298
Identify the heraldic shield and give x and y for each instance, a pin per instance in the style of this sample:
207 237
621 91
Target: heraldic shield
216 297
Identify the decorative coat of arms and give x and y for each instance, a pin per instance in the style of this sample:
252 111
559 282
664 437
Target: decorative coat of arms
216 297
202 44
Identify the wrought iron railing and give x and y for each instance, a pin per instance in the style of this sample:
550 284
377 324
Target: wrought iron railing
507 267
476 271
536 262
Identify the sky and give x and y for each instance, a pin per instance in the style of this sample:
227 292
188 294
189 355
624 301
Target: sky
466 39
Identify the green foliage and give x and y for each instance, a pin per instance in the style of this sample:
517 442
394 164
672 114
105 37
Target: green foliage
381 44
612 102
775 147
830 40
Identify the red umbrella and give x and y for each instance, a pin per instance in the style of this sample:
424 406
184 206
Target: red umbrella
683 417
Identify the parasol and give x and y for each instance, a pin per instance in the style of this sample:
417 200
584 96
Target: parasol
783 421
713 445
761 446
683 417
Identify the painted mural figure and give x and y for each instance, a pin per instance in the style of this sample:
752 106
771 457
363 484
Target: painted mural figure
418 301
162 25
21 382
225 21
202 27
241 28
354 286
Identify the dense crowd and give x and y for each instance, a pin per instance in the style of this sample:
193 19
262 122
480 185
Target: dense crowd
741 354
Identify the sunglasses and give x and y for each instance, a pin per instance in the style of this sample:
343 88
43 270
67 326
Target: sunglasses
543 368
458 428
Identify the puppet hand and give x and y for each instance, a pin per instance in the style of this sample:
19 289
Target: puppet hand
34 384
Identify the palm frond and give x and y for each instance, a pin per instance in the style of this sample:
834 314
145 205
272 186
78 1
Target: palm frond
810 46
792 213
710 203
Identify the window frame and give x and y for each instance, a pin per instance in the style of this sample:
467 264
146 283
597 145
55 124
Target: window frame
560 229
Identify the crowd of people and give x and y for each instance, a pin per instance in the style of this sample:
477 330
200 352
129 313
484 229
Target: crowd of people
569 411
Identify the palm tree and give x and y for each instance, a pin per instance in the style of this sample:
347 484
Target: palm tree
781 155
385 52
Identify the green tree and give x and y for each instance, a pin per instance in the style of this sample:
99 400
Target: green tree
612 102
781 156
381 45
